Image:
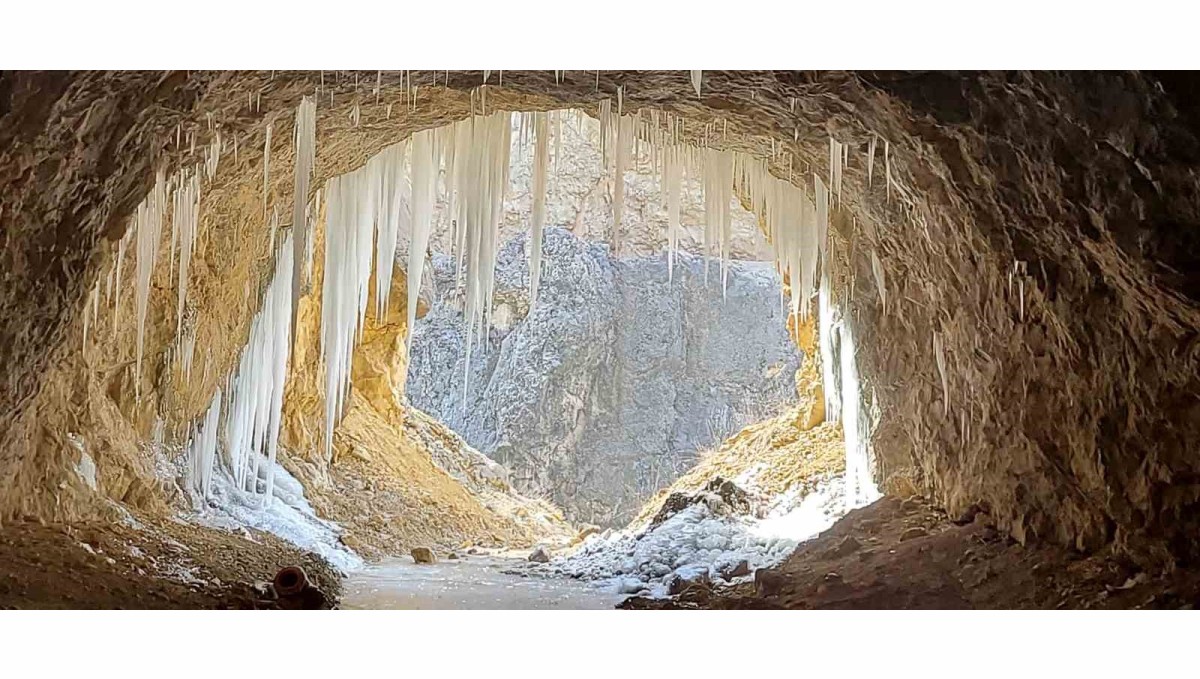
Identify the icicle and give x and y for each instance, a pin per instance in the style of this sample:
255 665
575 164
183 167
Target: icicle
673 172
541 129
254 397
305 141
826 331
887 167
939 357
148 223
696 76
424 194
877 270
185 220
212 156
202 451
624 141
266 168
871 158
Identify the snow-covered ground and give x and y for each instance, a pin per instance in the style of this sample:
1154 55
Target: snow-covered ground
699 539
288 515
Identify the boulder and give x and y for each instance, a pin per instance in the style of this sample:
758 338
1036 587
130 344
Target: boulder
678 583
722 495
736 570
423 555
539 555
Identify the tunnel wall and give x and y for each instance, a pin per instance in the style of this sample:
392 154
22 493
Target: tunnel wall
1040 236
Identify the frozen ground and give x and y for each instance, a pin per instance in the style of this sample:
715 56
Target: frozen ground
476 582
287 515
698 539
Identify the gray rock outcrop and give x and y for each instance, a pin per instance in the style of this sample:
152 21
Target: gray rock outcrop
613 384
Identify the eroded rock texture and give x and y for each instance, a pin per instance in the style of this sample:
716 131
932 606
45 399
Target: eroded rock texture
1070 405
613 384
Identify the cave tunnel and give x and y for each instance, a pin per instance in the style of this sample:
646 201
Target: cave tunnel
212 280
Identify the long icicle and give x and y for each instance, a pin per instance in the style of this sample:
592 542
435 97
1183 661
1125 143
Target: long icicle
541 151
305 141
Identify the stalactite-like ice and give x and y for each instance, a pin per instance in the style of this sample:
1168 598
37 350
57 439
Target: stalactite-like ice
696 77
425 158
255 393
856 430
202 450
266 168
394 215
185 220
673 173
541 151
148 221
305 141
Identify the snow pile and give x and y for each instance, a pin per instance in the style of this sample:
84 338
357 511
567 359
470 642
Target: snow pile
700 538
288 516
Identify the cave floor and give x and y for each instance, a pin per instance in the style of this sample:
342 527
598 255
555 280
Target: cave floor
904 554
892 554
468 582
144 564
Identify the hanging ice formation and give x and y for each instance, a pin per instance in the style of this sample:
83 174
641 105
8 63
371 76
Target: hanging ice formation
252 402
147 220
696 76
305 140
425 163
672 178
266 168
368 208
184 221
202 450
541 150
256 391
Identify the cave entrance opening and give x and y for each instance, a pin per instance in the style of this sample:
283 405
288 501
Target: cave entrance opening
640 355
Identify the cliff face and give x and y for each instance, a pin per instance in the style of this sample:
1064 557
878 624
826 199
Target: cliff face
611 386
1037 352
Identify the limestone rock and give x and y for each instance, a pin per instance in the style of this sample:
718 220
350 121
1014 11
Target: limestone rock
618 376
540 555
741 568
423 555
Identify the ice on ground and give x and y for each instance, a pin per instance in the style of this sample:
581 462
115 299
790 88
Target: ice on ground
698 540
287 515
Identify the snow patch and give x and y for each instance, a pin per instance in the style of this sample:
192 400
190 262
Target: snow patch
697 540
288 516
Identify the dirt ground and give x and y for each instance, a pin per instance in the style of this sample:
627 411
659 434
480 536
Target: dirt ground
166 564
905 554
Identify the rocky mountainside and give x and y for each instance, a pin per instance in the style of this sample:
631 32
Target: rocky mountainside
608 389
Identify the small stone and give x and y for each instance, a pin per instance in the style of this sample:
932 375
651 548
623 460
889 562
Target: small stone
846 547
452 555
423 555
678 583
737 570
913 532
540 555
767 583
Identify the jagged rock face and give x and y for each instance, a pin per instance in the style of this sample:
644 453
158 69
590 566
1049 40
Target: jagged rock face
608 389
1070 404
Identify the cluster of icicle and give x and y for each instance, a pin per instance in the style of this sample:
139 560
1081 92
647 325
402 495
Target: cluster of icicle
243 418
252 400
368 208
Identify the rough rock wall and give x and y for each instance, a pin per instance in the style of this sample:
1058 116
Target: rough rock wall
1073 406
616 380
